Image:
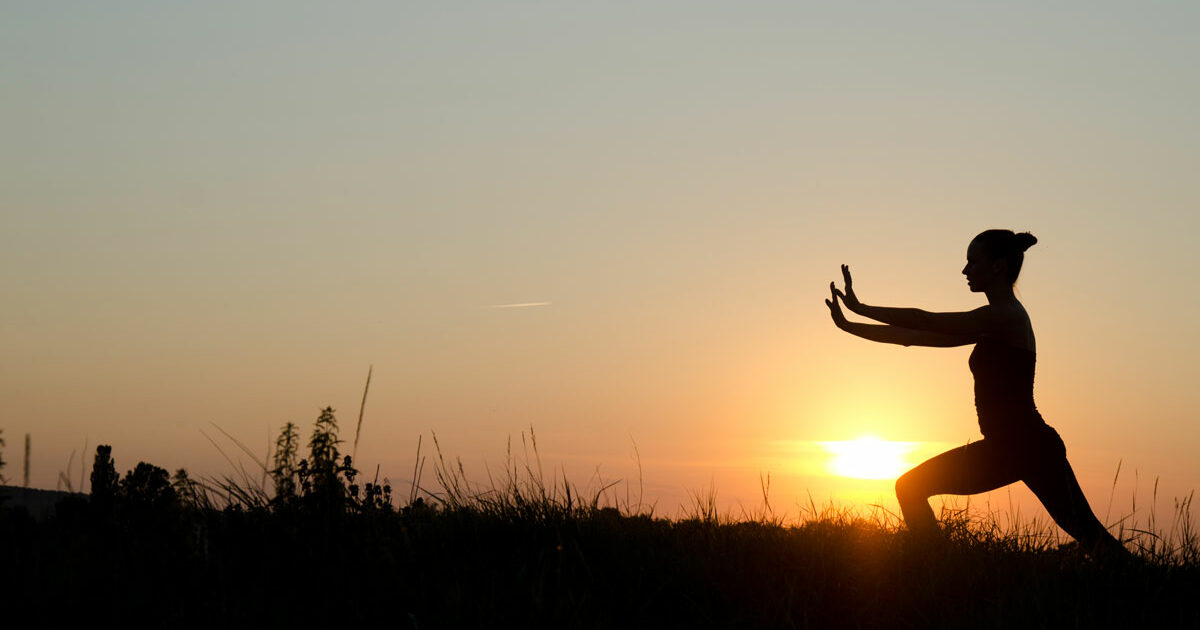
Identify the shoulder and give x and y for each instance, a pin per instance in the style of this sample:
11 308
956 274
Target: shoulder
1011 325
998 318
1004 313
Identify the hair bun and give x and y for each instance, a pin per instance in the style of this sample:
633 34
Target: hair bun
1025 240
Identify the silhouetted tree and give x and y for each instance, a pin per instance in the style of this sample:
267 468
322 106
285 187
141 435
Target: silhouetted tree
104 475
148 485
188 491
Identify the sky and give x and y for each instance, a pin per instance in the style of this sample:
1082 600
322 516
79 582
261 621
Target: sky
217 216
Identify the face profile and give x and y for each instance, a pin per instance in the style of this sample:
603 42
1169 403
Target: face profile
981 270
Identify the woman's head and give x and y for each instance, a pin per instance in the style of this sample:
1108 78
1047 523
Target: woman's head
994 256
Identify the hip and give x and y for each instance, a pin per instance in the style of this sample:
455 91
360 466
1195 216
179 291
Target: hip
1038 440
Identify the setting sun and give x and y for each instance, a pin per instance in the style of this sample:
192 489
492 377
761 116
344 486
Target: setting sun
868 457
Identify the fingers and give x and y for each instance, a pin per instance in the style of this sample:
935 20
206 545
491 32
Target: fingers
846 275
834 295
835 311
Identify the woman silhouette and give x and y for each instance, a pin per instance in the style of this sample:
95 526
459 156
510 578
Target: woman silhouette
1017 443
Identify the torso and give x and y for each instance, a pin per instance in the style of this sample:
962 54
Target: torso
1003 366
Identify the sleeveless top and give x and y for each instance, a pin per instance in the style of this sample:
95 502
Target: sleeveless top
1004 390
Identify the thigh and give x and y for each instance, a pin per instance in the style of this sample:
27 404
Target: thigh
1055 485
977 467
1053 482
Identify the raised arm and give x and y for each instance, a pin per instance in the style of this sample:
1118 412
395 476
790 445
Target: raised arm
983 320
894 334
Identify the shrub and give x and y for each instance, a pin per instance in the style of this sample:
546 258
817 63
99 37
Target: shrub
284 472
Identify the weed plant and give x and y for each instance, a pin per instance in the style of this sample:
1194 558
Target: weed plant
299 544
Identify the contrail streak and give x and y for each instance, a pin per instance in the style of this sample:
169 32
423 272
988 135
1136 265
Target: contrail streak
518 305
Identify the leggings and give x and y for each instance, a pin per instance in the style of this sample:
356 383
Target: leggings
1038 458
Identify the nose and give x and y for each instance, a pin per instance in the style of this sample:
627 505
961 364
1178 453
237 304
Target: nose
964 271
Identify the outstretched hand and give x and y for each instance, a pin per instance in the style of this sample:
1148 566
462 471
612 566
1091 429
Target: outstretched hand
848 297
835 309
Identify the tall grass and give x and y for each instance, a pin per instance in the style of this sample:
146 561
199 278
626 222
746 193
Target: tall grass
525 547
521 490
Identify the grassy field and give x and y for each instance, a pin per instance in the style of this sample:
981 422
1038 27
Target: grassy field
311 548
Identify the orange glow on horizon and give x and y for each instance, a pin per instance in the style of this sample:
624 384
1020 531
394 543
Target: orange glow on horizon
869 457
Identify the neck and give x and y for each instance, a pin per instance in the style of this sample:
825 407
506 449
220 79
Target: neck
1000 294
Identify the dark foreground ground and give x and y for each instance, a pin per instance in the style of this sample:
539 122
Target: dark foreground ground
549 566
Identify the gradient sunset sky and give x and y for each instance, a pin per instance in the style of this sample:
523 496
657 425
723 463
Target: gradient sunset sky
613 221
